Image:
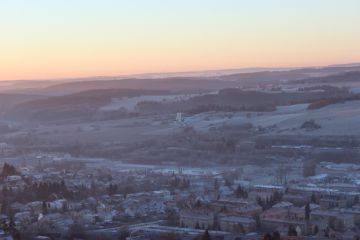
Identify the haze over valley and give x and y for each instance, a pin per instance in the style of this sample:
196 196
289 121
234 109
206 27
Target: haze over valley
179 120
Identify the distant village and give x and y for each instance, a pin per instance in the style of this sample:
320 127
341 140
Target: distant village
54 196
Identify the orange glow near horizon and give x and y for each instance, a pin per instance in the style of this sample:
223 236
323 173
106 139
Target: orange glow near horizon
56 40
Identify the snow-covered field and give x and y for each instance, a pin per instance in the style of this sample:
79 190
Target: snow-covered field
337 119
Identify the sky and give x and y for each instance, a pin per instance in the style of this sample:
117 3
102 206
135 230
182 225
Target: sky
45 39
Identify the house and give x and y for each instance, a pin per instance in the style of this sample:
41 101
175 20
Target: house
344 221
6 149
18 207
154 231
13 178
229 204
5 236
225 191
312 206
283 204
281 218
332 202
355 212
202 219
250 210
336 169
296 213
296 199
268 188
350 234
57 205
332 218
24 217
322 218
171 204
144 206
35 207
255 195
237 224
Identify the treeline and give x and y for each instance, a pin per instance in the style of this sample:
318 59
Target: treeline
234 100
227 108
8 170
264 142
329 101
179 183
353 76
43 191
82 105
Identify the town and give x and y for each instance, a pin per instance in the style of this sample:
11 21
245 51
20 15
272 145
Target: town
180 120
59 197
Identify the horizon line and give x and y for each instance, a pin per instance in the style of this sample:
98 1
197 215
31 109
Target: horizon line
135 75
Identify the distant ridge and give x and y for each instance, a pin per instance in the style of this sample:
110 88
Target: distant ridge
200 73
